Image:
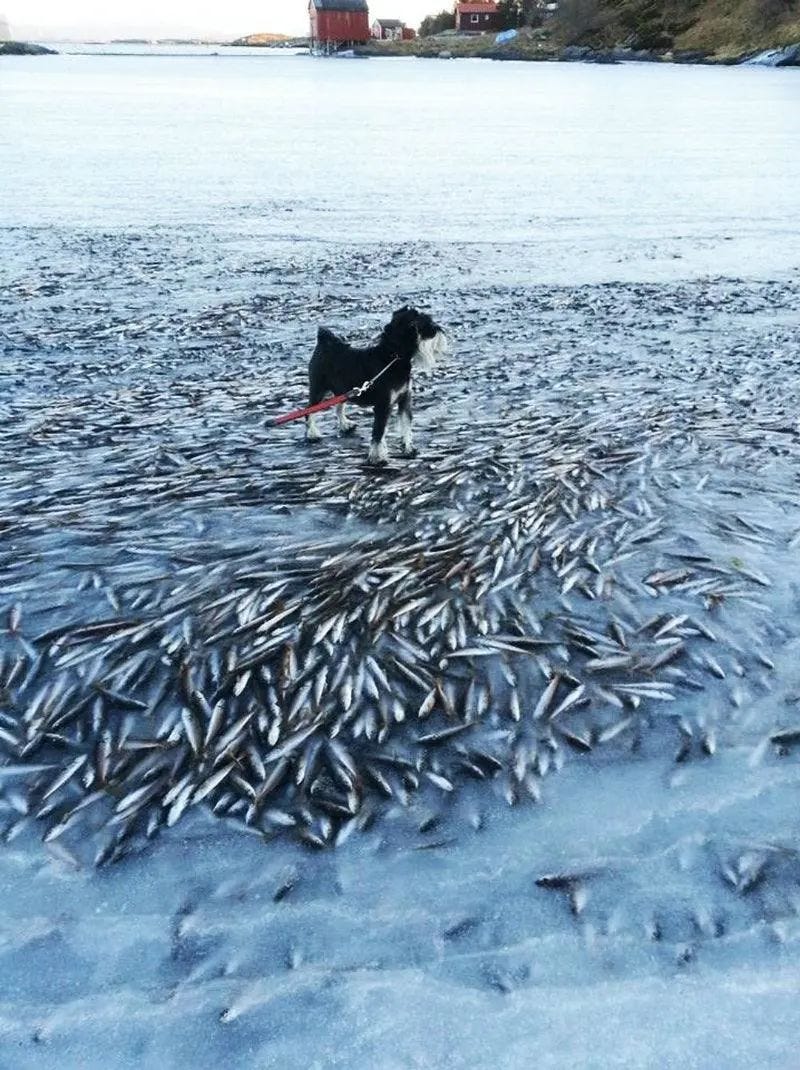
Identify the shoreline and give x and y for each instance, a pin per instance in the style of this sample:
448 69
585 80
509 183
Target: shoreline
521 50
527 51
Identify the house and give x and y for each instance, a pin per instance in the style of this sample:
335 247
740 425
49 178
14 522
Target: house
338 23
477 16
388 29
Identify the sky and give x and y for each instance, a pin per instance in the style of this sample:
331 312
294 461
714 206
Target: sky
161 18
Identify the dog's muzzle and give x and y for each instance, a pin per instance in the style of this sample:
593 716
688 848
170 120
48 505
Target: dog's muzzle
430 350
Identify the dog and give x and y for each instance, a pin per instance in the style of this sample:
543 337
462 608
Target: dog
410 340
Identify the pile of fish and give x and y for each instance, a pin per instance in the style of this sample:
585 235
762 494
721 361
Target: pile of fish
202 611
307 687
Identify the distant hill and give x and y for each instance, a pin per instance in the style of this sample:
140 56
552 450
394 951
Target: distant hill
262 40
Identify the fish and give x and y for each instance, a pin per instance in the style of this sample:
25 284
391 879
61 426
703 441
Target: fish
546 698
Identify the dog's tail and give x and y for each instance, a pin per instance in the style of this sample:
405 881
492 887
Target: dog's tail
324 335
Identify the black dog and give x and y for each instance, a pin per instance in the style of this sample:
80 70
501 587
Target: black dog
410 340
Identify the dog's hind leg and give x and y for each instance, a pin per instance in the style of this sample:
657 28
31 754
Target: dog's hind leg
378 454
316 392
346 426
313 433
405 425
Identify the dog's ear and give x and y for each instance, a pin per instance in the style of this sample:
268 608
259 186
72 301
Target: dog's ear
401 332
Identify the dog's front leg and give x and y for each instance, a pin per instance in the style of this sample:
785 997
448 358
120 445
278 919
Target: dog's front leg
346 425
405 425
378 454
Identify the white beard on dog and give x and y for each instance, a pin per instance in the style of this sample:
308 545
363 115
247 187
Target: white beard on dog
428 352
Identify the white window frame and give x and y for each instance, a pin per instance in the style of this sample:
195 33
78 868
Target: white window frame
475 17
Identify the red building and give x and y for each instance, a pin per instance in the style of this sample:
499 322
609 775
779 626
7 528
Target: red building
479 16
338 23
387 29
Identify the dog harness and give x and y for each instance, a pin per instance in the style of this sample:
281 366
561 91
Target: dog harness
340 399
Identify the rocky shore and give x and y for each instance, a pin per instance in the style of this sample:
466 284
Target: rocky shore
535 48
779 57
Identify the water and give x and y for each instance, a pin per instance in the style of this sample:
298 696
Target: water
617 171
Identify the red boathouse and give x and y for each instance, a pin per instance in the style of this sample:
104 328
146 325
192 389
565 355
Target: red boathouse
338 24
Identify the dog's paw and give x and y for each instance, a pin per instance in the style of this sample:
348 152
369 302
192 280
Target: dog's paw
347 428
412 451
312 440
378 454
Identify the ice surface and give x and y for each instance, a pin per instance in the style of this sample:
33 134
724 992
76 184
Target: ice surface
650 172
436 958
663 930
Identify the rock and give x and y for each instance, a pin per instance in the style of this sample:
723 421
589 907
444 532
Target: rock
507 53
730 61
628 54
634 55
574 53
445 54
581 54
689 56
22 48
600 57
776 57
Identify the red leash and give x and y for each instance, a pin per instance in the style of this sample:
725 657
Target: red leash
298 414
340 399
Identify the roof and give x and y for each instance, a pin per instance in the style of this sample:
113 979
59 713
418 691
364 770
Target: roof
487 8
390 24
340 5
